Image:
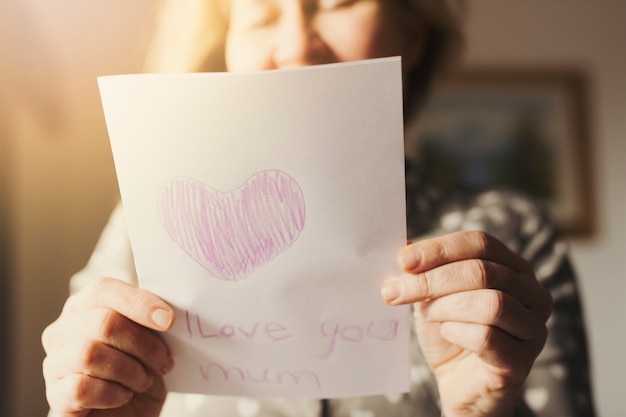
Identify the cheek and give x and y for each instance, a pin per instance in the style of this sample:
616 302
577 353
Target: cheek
363 38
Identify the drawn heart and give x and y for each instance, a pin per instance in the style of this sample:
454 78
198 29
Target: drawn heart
232 234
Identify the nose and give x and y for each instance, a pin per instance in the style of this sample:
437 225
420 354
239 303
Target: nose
298 42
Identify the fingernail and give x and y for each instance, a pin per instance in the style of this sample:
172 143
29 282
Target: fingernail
390 290
162 318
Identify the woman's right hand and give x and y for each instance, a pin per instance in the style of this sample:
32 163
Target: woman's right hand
105 355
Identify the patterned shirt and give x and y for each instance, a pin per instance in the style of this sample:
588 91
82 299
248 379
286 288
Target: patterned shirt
558 384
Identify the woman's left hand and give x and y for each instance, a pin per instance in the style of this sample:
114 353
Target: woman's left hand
480 318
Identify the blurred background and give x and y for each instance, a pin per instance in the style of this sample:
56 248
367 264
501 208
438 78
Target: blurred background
58 185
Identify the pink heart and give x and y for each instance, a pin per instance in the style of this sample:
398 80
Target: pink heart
232 234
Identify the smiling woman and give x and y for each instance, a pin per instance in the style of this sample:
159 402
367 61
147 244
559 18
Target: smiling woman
481 285
192 36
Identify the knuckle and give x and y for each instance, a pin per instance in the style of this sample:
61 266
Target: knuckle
421 284
482 241
137 306
150 347
107 322
89 353
478 272
494 305
485 338
75 394
101 290
79 389
440 250
431 250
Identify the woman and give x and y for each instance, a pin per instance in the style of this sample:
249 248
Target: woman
476 287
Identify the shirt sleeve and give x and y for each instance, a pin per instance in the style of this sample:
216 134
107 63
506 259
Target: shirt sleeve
112 256
559 383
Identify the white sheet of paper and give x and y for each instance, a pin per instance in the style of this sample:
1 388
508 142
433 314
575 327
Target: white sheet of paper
268 208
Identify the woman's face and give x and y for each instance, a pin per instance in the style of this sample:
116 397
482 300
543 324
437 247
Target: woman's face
272 34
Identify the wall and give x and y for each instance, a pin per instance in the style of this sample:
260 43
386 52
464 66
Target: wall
589 35
5 276
62 182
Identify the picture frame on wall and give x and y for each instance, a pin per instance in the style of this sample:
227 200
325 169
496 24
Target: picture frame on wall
522 129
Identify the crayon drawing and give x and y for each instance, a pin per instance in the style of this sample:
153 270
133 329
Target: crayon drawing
232 234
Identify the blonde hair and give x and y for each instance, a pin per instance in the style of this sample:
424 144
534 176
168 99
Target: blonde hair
190 36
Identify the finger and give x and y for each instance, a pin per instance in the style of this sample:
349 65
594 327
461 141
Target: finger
468 275
485 307
492 345
100 361
430 253
132 302
79 392
113 329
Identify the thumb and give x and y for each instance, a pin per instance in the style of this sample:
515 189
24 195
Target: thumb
136 304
